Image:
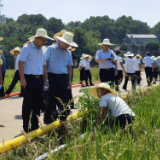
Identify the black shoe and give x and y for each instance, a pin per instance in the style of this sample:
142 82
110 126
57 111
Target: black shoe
91 84
124 88
83 86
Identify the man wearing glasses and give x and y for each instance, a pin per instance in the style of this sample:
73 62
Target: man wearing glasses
33 77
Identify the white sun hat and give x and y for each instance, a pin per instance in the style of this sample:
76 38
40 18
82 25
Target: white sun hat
106 42
59 34
68 39
129 54
94 92
84 56
1 38
40 33
15 49
158 57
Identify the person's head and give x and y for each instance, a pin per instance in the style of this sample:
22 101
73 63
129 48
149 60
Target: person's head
16 53
40 41
102 91
118 53
130 57
148 54
63 45
105 47
87 58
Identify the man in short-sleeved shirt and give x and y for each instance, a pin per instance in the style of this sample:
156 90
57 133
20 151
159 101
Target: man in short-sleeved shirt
105 58
59 62
158 66
33 77
149 67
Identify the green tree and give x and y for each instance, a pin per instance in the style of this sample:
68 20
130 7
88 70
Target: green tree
133 46
124 47
152 46
141 47
156 29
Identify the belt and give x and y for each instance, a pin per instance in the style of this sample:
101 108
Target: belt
32 75
106 68
57 75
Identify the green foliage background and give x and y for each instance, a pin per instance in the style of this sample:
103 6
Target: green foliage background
87 33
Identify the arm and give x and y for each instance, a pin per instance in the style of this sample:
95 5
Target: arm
115 61
69 68
75 63
81 67
101 60
152 67
140 67
21 73
45 74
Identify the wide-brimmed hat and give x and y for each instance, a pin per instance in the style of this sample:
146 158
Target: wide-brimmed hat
93 91
68 39
1 38
15 49
30 41
87 55
71 49
138 55
129 54
40 33
59 34
1 51
106 42
84 56
158 57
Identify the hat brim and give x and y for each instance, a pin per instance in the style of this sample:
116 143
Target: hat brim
93 91
31 38
69 43
12 51
1 38
1 51
109 44
138 56
90 57
127 55
59 34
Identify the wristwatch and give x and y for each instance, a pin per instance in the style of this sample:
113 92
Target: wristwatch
47 80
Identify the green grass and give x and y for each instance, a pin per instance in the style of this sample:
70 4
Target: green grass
103 142
76 76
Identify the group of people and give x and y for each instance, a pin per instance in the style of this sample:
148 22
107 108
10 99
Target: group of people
46 75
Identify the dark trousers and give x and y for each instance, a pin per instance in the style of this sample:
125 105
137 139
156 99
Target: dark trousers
16 78
70 97
82 74
2 89
88 76
119 77
148 71
138 77
58 84
107 75
132 75
32 101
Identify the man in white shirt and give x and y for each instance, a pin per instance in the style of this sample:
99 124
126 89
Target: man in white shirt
33 77
149 67
138 68
119 76
16 52
88 59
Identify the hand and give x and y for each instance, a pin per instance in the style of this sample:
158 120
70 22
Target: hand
116 72
23 82
69 85
106 59
152 69
46 83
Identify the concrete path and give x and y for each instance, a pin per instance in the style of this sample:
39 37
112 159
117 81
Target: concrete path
11 108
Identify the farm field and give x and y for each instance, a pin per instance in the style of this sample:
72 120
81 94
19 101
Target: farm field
102 142
10 73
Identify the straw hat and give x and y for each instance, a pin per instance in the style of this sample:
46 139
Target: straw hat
40 33
1 51
84 56
1 38
138 55
87 55
59 34
106 42
68 39
30 41
71 49
15 49
94 93
129 54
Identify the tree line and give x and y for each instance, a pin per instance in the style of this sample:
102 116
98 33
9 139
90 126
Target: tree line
87 34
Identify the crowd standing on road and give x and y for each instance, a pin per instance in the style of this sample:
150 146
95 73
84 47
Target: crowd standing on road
46 76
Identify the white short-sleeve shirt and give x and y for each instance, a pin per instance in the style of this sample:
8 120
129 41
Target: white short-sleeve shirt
16 62
116 105
119 60
129 65
148 61
87 67
137 62
82 63
34 59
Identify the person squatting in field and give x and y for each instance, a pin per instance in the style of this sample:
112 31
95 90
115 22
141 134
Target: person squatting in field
110 103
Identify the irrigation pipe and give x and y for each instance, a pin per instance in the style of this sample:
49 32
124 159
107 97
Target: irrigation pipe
38 132
55 150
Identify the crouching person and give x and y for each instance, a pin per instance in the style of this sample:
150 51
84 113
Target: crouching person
117 108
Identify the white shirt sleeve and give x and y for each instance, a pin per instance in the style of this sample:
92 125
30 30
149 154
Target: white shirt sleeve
103 102
126 63
120 60
144 60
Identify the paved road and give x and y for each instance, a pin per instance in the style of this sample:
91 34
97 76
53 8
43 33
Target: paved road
10 112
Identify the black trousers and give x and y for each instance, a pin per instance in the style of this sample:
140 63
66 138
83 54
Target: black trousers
58 84
82 74
119 77
32 101
132 75
107 75
16 78
70 97
148 71
155 73
2 89
138 77
88 76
